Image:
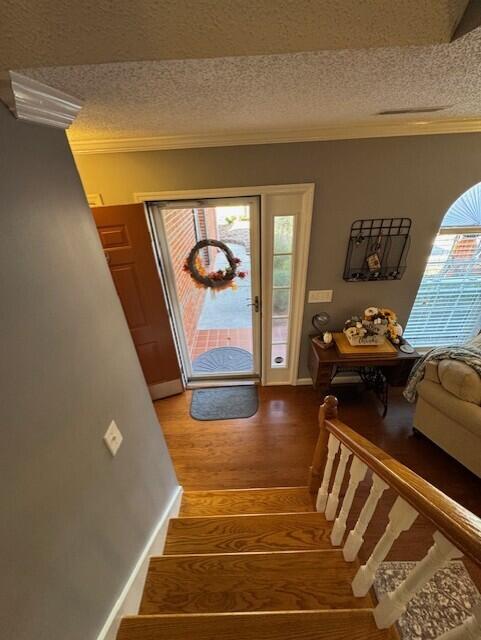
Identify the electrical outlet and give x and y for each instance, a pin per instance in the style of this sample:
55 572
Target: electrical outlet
323 295
113 438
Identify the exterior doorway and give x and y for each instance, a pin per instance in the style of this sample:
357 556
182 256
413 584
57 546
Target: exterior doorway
217 331
279 225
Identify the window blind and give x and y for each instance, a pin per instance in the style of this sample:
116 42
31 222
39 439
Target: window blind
447 309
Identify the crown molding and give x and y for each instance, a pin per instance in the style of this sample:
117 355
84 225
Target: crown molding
36 102
338 132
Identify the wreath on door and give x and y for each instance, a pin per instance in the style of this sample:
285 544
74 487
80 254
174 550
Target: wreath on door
215 280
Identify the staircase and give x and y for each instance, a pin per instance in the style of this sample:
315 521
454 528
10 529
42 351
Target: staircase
251 564
280 564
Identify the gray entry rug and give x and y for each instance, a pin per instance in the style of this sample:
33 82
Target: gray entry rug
444 603
224 403
223 360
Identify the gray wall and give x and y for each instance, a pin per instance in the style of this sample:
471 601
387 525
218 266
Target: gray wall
74 519
418 177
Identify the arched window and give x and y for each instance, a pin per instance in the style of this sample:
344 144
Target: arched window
447 309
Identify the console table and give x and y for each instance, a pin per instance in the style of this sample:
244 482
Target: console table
377 373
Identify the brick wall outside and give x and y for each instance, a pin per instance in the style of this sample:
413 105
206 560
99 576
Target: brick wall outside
181 237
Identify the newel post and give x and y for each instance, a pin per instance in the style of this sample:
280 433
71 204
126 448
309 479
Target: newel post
327 410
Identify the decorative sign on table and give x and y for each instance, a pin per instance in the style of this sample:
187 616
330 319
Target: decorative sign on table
345 350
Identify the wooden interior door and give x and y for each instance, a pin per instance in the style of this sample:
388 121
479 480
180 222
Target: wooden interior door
126 242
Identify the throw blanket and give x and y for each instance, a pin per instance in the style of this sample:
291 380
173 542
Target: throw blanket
468 354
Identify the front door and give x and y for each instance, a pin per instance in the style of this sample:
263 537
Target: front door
218 328
128 249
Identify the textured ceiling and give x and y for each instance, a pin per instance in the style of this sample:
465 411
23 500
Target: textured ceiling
62 32
271 93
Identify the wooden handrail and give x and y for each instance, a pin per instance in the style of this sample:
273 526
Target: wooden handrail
458 524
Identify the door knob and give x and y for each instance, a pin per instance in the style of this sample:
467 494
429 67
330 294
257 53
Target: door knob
255 304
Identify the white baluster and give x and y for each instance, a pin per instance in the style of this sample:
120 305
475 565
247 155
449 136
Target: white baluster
469 630
357 473
401 517
333 499
355 538
392 605
332 448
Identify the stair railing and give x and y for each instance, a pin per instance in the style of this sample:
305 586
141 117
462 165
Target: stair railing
458 531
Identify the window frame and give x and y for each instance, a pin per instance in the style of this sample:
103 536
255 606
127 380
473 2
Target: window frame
453 230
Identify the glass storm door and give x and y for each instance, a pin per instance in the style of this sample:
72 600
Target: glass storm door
218 331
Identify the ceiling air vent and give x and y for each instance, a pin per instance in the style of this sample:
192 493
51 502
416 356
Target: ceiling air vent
414 110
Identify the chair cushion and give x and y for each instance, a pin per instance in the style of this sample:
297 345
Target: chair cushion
466 414
431 371
461 380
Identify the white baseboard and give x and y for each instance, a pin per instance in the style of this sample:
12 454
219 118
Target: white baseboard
297 382
129 600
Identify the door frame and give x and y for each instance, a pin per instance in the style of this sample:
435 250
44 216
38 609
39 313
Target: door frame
305 191
157 224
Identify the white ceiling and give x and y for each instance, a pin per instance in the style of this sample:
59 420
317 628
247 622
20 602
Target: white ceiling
59 32
221 98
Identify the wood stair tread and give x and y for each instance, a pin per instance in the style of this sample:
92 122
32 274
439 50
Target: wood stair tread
279 581
306 625
243 501
244 533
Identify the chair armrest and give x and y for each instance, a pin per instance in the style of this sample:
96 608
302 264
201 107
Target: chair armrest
431 372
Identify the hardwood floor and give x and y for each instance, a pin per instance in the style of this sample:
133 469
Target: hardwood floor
271 449
274 449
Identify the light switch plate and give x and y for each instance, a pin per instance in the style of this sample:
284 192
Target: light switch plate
322 295
113 438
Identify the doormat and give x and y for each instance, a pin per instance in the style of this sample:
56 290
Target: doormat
444 603
223 360
224 403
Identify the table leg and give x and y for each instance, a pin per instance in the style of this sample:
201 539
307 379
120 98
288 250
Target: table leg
385 399
376 381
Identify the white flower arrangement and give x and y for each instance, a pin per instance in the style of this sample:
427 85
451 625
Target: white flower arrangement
373 327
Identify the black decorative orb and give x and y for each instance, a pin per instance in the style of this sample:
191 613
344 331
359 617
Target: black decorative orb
320 320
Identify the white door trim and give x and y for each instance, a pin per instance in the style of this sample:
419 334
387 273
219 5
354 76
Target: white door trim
304 233
223 192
